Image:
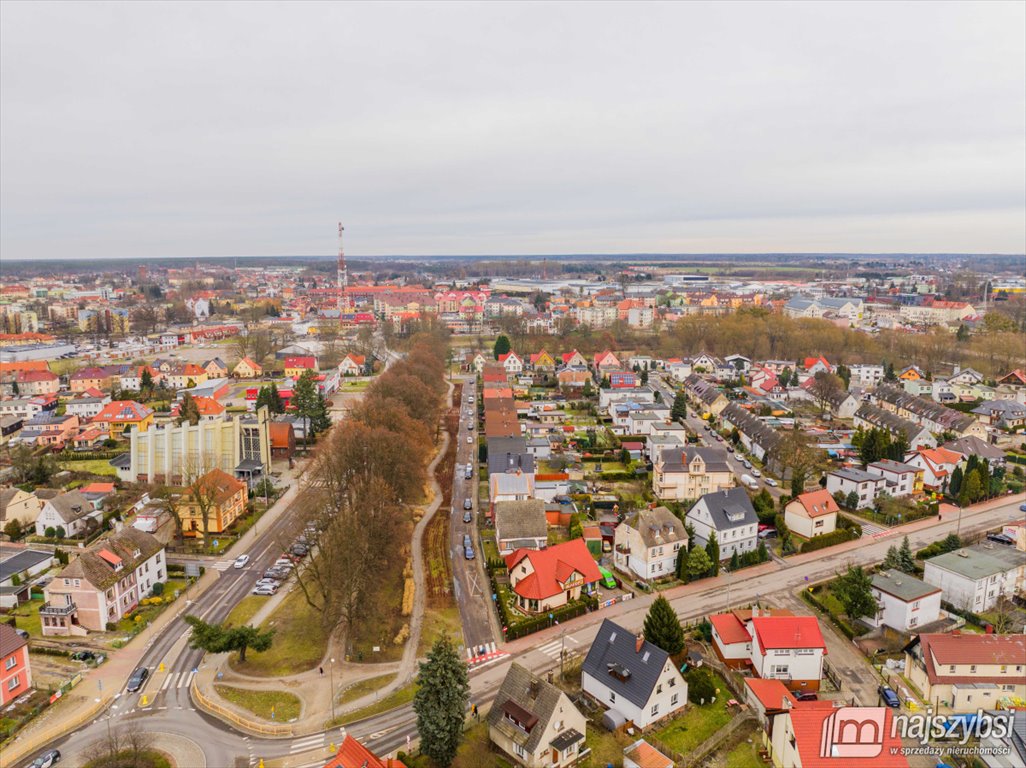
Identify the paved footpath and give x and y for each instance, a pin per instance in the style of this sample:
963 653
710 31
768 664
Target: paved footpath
101 686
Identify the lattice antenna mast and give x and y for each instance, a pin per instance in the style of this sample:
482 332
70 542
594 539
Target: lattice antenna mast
343 275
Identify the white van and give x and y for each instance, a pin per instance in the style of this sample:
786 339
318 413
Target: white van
749 481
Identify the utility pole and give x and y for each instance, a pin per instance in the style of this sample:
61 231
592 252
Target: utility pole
343 275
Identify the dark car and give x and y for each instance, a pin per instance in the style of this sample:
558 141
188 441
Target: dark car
83 656
890 698
467 542
468 517
1000 538
47 759
300 550
807 696
469 553
135 682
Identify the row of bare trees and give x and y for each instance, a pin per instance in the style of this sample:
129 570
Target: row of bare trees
364 479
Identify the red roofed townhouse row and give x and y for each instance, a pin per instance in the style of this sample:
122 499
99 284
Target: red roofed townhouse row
776 647
967 671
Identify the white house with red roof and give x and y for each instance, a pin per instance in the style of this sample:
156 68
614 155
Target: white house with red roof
767 697
812 514
543 579
815 734
778 646
937 465
512 362
607 361
814 365
966 672
352 754
352 365
574 360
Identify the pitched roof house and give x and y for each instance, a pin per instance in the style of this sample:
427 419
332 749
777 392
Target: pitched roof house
647 542
966 671
812 514
549 578
534 722
520 525
730 515
353 754
71 511
688 472
247 369
635 680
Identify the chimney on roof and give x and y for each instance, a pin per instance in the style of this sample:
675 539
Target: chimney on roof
638 642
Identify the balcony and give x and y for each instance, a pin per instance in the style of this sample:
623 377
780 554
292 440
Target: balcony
47 609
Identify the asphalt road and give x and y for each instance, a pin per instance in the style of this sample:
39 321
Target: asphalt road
471 589
697 426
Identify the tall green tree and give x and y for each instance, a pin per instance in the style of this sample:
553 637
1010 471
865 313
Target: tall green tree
906 560
855 591
270 398
188 411
441 701
305 402
712 548
217 638
698 563
146 380
891 559
662 627
971 489
679 409
502 346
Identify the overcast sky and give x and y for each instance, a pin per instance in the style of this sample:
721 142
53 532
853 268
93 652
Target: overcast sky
235 129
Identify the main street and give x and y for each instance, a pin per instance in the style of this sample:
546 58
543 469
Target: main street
470 584
173 713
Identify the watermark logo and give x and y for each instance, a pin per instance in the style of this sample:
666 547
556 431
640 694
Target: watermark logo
861 732
854 732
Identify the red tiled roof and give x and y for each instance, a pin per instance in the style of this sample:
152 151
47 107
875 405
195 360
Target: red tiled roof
818 503
552 567
787 632
122 410
24 365
938 456
27 377
729 628
960 649
97 488
352 754
807 720
771 693
301 361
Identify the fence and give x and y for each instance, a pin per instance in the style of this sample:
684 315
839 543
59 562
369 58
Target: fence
279 731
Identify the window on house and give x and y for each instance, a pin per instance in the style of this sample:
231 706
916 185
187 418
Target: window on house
13 683
655 710
951 669
612 697
972 669
519 750
11 662
673 700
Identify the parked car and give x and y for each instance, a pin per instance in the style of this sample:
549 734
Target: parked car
705 427
470 439
285 563
469 553
135 682
746 463
83 656
468 517
771 482
47 759
1022 507
807 696
1000 538
890 698
241 561
468 504
468 475
470 426
275 573
730 448
265 590
756 473
300 550
467 543
267 583
770 533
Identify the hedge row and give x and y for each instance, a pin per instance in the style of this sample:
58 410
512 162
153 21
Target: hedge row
810 598
829 539
88 455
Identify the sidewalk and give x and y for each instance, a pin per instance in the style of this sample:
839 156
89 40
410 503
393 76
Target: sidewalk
99 686
314 689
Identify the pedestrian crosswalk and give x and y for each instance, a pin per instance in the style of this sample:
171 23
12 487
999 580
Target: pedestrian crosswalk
484 654
223 565
305 744
876 531
554 648
181 679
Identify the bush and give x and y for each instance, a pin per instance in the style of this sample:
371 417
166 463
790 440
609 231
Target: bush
158 589
830 539
701 688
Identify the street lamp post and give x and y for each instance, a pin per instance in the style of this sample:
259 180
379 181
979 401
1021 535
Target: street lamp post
958 528
331 682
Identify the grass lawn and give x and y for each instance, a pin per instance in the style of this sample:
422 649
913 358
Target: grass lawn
362 688
384 619
475 749
244 610
393 700
745 754
261 703
96 466
27 617
299 643
606 748
699 722
438 622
